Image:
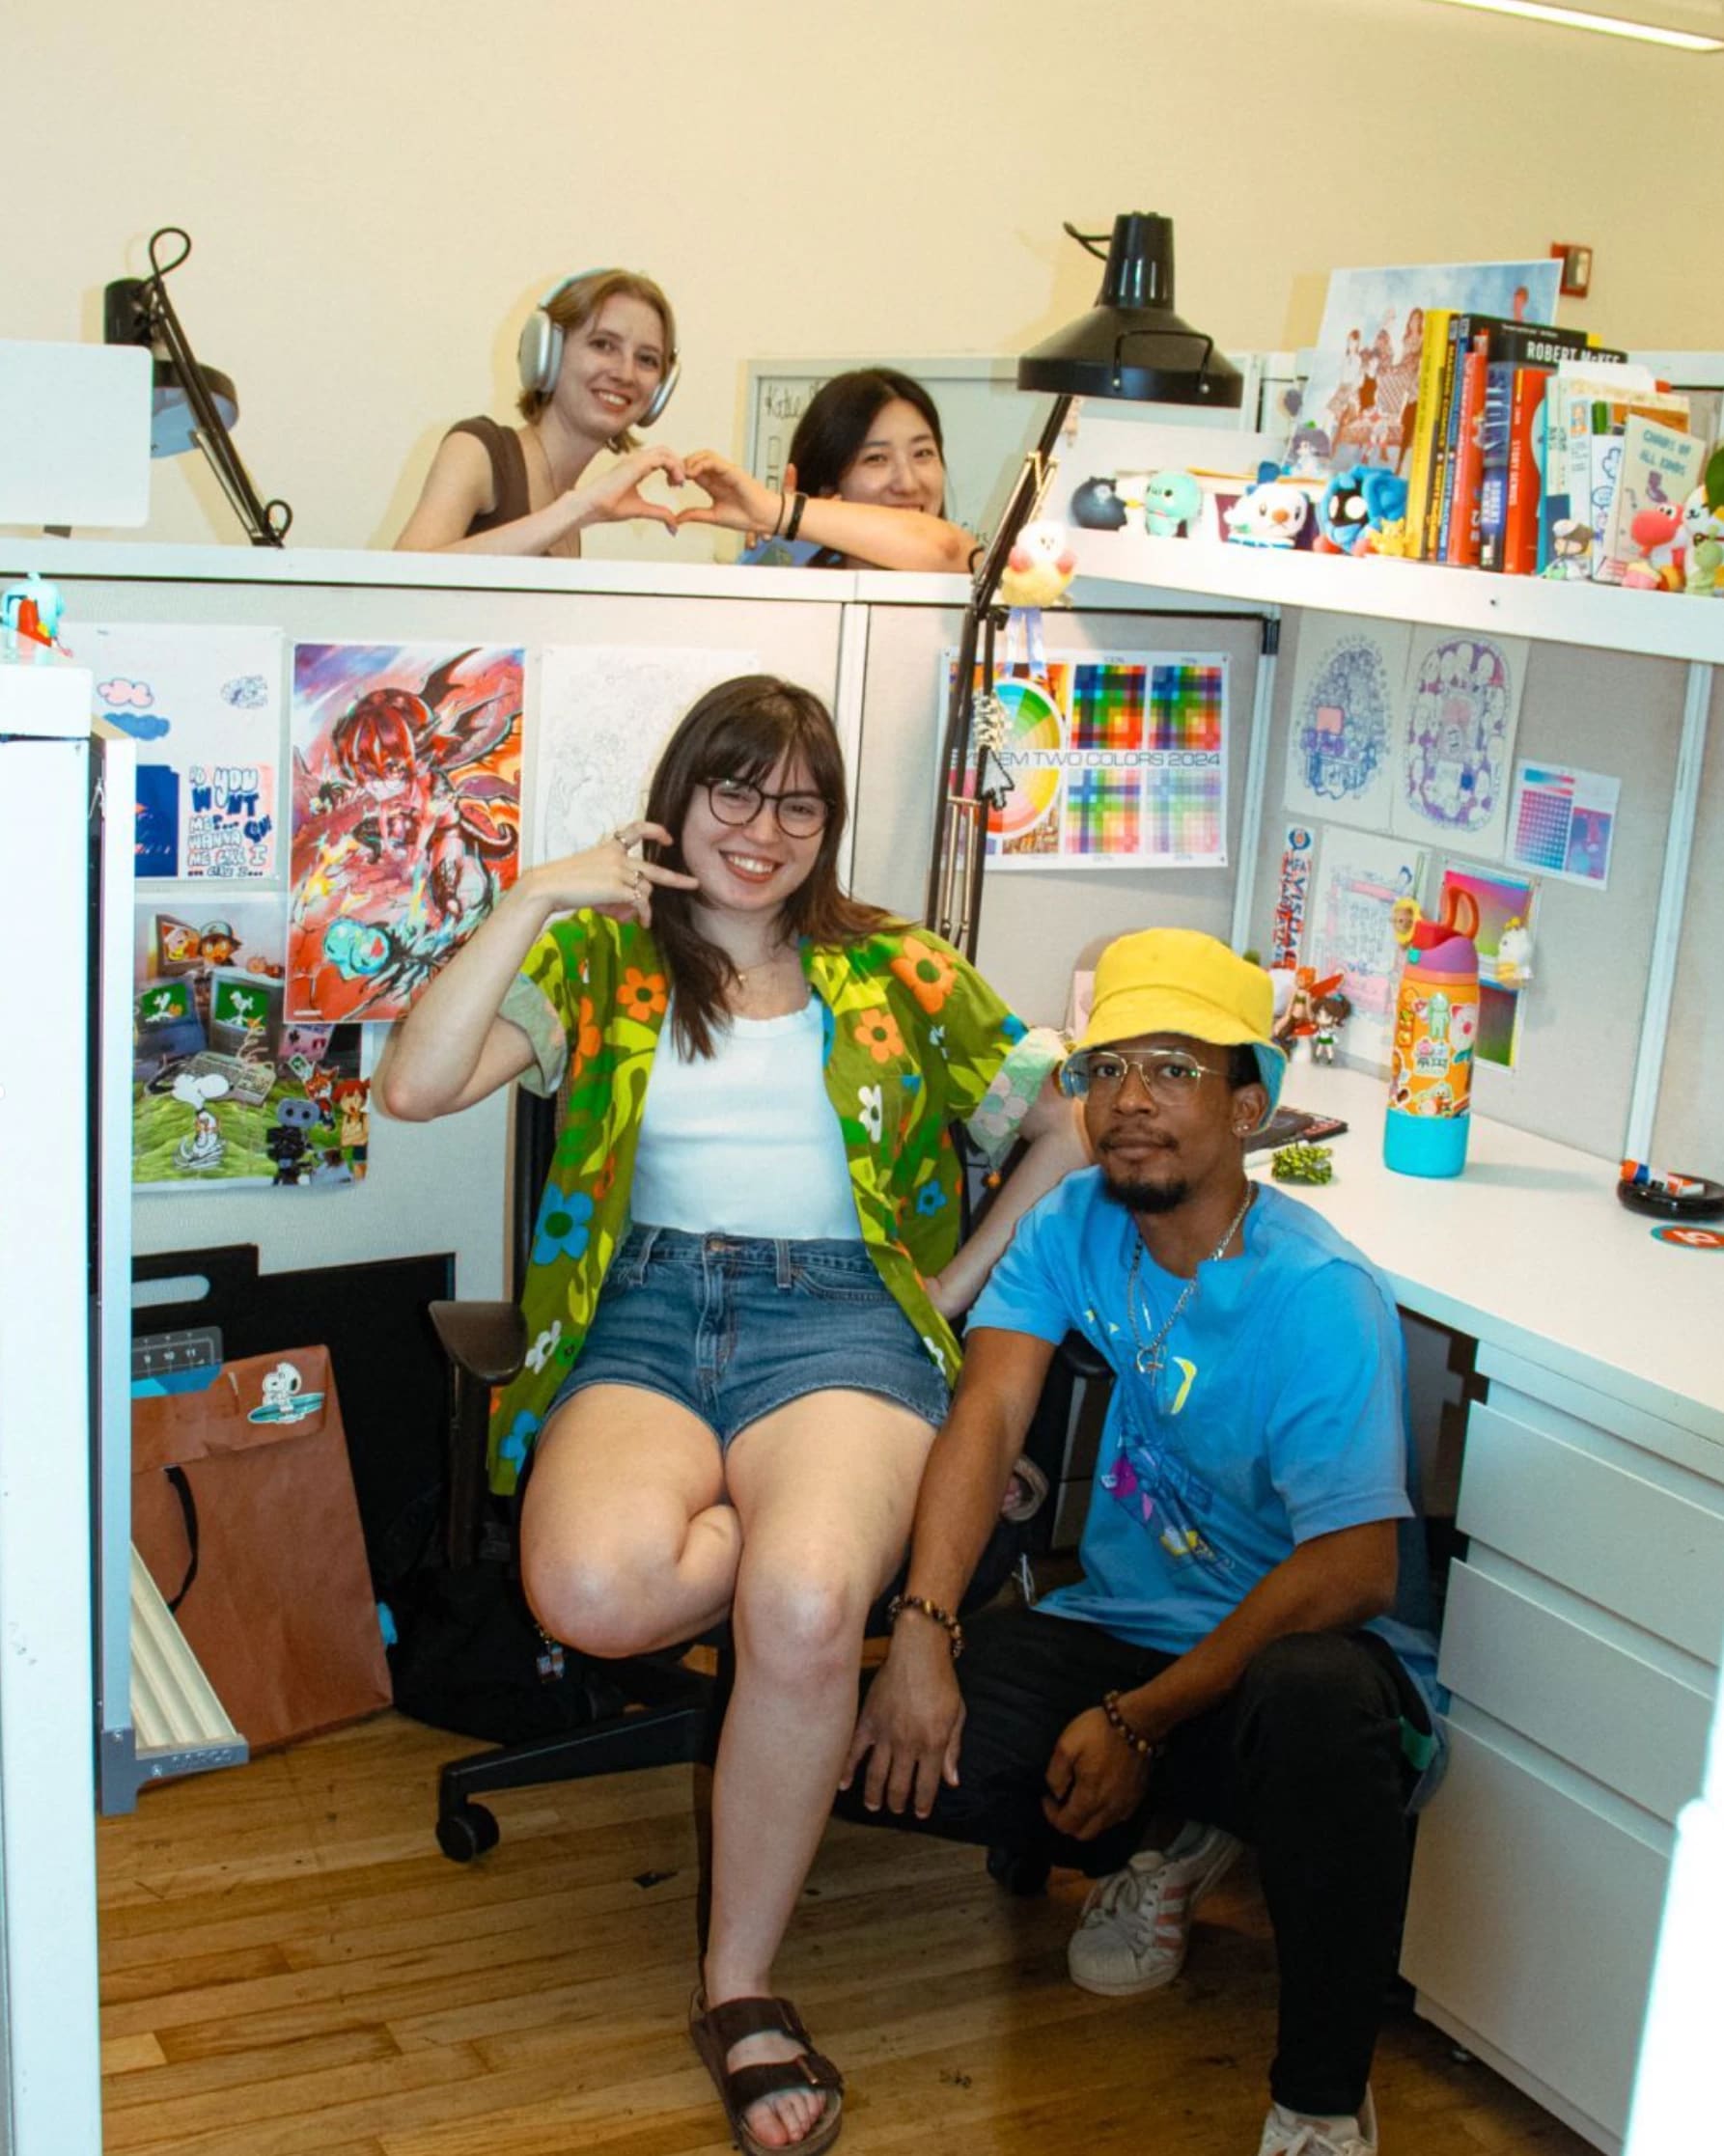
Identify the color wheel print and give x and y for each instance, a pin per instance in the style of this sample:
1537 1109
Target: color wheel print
1033 724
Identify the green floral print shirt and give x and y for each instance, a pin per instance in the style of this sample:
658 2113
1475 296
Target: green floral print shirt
915 1041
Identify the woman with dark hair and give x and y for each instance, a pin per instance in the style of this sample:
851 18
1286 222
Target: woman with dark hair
865 483
740 1358
597 356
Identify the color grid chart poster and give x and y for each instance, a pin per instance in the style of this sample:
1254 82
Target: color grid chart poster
1564 822
1117 761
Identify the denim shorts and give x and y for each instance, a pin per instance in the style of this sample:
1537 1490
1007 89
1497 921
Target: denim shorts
735 1327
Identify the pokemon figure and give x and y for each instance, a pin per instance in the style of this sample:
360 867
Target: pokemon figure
1355 507
1272 514
1172 501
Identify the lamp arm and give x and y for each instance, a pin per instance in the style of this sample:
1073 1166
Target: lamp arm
956 753
265 523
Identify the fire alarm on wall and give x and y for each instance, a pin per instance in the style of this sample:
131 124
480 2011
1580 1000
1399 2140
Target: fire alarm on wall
1577 267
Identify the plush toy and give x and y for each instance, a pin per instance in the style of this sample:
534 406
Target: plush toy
1272 514
1172 501
1097 506
1515 953
1038 567
1702 531
1355 507
1657 531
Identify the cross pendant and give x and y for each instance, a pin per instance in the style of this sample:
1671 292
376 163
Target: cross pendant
1149 1362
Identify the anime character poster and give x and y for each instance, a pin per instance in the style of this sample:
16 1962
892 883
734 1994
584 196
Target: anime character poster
406 816
1460 710
226 1093
203 705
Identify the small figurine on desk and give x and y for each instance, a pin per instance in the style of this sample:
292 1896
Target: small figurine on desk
1098 506
1274 512
1298 1021
32 612
1329 1014
1172 504
350 1096
1356 508
1570 551
1514 953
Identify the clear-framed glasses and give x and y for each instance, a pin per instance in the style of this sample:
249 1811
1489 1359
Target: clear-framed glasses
1168 1074
734 801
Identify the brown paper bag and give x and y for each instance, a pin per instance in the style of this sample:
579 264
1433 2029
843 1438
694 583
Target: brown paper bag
243 1511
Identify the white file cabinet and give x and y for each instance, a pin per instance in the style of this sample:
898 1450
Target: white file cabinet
1578 1646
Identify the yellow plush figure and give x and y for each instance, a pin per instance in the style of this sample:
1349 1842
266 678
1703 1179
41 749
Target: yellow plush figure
1038 567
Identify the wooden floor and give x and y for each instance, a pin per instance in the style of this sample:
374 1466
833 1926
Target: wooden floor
291 1969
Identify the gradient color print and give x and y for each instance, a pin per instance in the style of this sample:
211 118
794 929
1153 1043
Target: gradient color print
1103 813
1183 814
1187 706
1106 703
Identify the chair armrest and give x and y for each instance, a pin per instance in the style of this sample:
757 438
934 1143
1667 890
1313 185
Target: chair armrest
488 1340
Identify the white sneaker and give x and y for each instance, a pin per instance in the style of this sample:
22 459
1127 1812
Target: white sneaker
1136 1923
1293 2132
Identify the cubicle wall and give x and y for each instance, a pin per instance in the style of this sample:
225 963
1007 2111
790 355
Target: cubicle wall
1688 1134
1604 711
440 1186
1037 923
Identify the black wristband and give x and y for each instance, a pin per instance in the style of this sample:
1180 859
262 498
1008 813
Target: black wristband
799 503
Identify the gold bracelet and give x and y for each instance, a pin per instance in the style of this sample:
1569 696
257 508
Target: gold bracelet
923 1607
1144 1747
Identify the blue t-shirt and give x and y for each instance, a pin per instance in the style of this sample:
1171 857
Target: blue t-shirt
1279 1414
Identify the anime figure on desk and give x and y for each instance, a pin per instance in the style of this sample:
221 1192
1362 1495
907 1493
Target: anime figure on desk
1329 1014
1299 1020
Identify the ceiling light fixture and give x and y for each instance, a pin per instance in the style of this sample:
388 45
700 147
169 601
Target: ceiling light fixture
1609 25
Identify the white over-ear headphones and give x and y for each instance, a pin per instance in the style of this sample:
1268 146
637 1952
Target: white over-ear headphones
540 351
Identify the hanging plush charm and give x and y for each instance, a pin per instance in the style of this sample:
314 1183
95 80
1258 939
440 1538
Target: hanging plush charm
1037 571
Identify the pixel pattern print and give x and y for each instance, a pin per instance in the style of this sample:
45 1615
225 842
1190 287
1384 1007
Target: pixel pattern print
406 815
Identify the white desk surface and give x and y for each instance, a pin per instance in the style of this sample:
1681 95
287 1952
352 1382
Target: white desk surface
1530 1251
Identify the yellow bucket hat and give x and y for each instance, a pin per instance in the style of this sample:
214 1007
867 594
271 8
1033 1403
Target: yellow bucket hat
1181 981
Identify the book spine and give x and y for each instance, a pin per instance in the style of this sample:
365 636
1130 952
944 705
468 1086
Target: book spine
1425 420
1495 426
1522 523
1447 400
1461 513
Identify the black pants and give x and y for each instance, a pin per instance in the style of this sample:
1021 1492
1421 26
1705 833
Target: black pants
1303 1760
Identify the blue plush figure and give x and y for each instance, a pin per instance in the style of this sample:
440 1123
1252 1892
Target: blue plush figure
1355 505
1171 504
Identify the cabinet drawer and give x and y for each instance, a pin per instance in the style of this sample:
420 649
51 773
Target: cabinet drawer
1624 1529
1533 1919
1553 1675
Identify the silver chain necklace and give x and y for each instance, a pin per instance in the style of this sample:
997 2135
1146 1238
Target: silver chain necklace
1149 1362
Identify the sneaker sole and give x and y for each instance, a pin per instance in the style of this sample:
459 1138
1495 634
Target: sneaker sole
1137 1987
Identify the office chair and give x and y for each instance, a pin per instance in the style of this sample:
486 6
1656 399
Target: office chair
645 1710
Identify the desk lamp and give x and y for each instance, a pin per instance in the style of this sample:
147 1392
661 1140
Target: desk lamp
1129 345
192 405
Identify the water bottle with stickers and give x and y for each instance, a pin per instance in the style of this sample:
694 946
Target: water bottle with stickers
1437 1029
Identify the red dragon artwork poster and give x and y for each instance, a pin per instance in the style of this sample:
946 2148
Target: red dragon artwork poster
406 816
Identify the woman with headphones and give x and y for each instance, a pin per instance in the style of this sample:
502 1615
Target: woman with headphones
865 484
598 357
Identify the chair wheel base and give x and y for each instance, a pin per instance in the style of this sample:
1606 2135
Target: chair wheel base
1021 1871
467 1833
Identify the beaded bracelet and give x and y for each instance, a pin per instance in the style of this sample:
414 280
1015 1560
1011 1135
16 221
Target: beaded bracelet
784 503
1144 1747
925 1608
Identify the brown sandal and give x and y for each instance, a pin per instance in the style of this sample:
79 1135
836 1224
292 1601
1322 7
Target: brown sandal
715 2029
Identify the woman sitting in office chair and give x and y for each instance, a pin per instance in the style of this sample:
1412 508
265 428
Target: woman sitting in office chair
864 486
597 358
738 1361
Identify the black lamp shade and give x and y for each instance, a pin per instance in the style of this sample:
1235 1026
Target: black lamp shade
1131 344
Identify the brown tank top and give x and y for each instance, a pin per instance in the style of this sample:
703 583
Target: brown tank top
509 473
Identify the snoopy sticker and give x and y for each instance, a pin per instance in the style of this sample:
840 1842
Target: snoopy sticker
285 1397
204 1148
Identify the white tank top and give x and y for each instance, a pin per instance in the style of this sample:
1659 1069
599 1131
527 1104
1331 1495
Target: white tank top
745 1143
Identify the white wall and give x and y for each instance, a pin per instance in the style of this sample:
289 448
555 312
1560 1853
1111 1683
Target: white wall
378 191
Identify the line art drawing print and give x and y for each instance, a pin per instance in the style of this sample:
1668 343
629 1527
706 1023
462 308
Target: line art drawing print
1341 734
1359 880
1461 708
